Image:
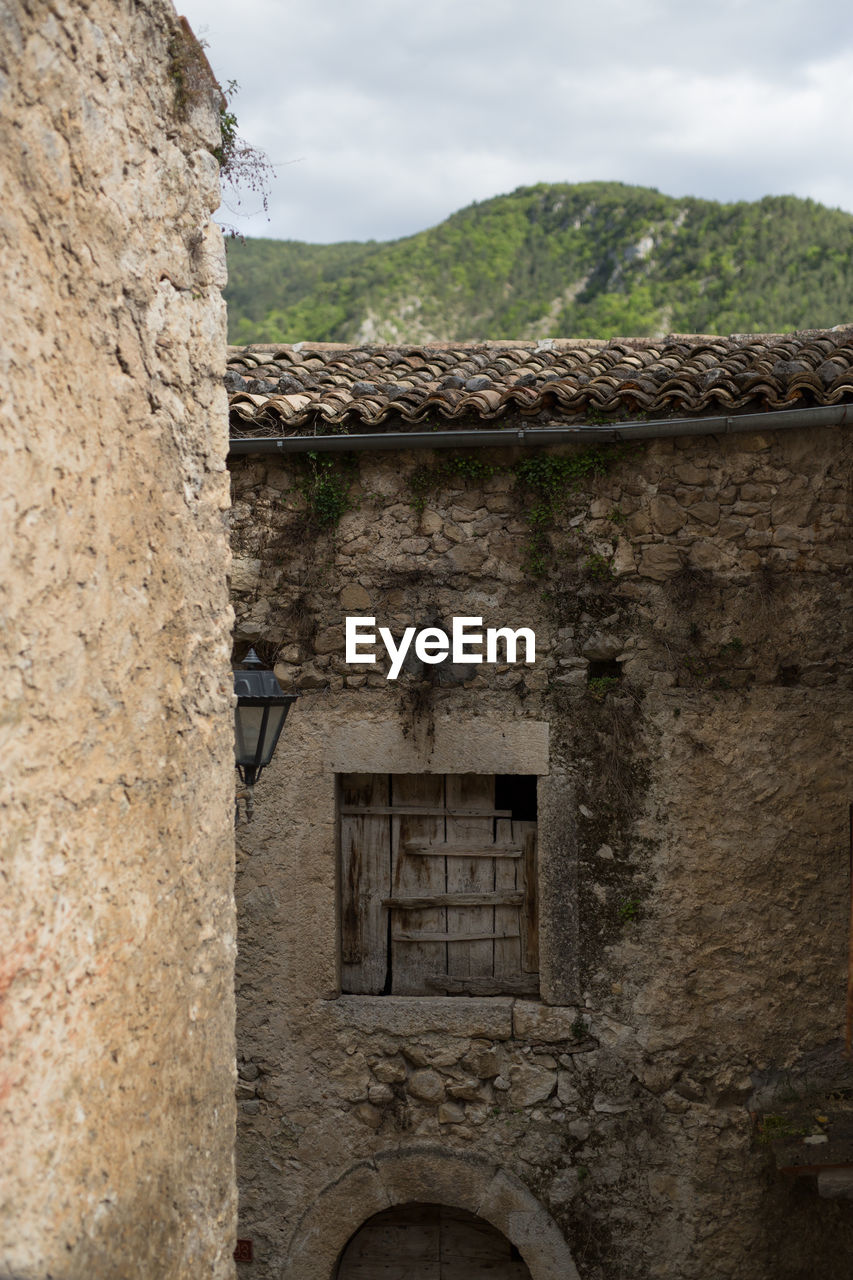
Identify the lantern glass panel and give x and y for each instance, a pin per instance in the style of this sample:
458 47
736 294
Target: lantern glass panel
275 720
256 732
247 724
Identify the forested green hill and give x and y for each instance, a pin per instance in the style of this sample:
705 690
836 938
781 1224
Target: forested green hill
593 260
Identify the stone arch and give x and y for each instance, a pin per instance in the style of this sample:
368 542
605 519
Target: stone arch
432 1175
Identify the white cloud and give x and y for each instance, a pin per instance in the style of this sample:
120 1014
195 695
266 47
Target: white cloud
384 119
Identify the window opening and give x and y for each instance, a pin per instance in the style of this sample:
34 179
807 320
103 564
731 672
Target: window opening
516 791
438 884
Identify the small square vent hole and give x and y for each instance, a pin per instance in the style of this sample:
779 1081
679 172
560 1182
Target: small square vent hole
604 669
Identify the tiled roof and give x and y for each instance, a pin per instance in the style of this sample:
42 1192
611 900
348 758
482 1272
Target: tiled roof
311 388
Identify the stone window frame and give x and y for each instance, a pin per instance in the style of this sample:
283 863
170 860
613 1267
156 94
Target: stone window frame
480 745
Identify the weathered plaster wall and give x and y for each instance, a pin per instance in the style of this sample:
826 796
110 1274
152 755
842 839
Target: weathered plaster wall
116 903
695 811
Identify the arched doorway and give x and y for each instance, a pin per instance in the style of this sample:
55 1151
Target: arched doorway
429 1242
425 1174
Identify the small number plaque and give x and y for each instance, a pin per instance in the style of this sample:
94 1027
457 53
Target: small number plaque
243 1252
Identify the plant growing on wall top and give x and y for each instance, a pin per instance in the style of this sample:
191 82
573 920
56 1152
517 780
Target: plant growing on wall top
242 167
548 479
446 471
325 485
551 479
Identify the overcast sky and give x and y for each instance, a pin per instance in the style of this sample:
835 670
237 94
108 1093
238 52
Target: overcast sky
384 116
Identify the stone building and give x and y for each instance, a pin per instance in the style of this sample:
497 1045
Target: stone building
543 953
116 801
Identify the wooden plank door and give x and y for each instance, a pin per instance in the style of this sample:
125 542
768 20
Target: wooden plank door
469 1248
430 1242
399 1244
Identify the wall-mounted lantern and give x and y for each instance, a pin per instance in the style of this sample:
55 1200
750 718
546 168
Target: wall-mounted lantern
262 707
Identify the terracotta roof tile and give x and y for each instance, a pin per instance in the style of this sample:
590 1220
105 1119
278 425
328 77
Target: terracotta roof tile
313 388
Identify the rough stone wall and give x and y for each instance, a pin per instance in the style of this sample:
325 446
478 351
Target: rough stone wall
116 906
696 823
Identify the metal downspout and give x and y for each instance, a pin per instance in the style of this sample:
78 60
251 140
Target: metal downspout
510 437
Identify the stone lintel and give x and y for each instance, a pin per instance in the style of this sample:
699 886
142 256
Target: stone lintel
467 745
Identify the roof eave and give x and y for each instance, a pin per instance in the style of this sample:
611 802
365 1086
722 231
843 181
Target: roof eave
511 437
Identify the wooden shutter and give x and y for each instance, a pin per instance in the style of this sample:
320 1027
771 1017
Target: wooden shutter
438 888
473 955
365 882
417 878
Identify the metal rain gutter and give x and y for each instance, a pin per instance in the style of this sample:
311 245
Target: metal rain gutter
510 437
